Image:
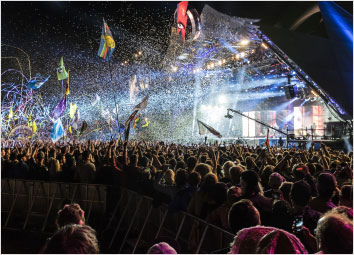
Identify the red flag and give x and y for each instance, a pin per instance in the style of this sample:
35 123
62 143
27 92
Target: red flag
267 140
182 18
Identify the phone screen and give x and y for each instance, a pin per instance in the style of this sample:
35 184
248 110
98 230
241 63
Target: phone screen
299 223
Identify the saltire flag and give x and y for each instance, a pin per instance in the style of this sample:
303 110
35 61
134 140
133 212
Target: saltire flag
83 127
205 129
142 105
61 72
57 131
267 140
34 127
131 117
67 91
107 44
72 111
37 82
59 109
182 18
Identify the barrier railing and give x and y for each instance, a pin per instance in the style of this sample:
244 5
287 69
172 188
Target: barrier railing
133 223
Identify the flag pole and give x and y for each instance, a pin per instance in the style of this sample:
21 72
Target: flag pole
115 101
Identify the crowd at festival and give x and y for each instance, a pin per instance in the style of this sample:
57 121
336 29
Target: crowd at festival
274 200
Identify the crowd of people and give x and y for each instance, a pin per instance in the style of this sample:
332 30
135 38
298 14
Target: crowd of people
274 200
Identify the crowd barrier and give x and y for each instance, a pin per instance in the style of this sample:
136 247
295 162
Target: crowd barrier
128 221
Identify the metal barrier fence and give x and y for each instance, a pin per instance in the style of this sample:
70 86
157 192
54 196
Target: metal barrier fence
128 221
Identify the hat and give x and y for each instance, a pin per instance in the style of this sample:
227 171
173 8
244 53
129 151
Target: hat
250 177
161 248
280 242
246 239
275 180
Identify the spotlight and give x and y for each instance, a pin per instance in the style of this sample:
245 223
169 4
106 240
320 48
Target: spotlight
212 65
242 54
223 61
140 52
174 68
264 46
245 42
220 62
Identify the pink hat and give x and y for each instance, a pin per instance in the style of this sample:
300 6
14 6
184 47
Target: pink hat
161 248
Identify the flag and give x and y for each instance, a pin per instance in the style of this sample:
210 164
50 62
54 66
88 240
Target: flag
267 140
67 91
136 122
57 131
59 109
142 105
131 117
34 127
107 44
72 111
70 131
37 82
61 72
182 18
11 113
205 129
76 119
83 127
147 122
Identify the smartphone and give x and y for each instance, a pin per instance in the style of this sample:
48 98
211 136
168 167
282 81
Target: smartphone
299 223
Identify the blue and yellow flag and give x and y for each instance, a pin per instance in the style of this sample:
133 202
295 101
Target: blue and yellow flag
107 44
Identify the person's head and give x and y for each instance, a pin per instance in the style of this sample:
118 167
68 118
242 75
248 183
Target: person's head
250 183
346 198
267 171
347 211
86 155
194 179
169 177
209 181
40 156
284 189
300 194
226 167
243 215
191 163
334 233
280 242
144 161
219 193
233 194
161 248
235 174
326 185
181 177
73 239
70 214
246 239
280 213
203 169
52 153
275 180
180 164
173 163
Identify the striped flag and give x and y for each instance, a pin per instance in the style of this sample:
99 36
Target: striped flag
107 44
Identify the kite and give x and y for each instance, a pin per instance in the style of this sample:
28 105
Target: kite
107 44
37 82
61 72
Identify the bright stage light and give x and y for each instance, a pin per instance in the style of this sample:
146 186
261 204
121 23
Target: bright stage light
174 68
264 46
220 62
245 42
140 52
242 54
221 99
212 65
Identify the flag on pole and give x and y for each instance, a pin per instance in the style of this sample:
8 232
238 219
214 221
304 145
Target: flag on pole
131 117
37 82
72 111
59 109
182 18
61 72
107 44
11 114
137 120
34 127
142 105
267 140
76 119
57 131
206 129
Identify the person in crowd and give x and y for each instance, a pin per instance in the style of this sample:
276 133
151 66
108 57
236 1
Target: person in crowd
284 189
87 170
235 175
326 186
346 197
72 239
275 180
70 214
161 248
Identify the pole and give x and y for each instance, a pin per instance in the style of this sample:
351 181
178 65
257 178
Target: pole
115 101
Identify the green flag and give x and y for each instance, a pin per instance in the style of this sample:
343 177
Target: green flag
61 72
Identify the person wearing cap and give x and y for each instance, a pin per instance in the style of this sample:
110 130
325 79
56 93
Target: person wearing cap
275 180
